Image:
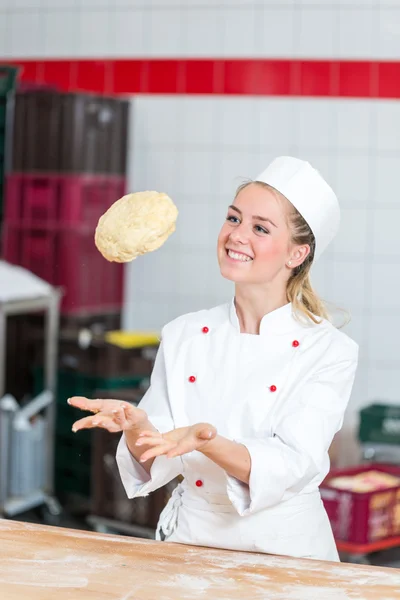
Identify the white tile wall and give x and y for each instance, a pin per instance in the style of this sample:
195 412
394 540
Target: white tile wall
354 176
361 26
60 28
25 33
236 25
318 32
129 32
166 32
389 31
386 195
95 32
3 35
388 115
354 119
234 28
385 232
276 31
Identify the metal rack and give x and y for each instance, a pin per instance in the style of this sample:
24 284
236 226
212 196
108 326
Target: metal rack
47 300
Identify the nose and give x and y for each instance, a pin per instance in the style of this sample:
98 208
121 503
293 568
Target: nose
239 235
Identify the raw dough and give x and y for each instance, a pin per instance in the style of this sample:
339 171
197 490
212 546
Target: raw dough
135 224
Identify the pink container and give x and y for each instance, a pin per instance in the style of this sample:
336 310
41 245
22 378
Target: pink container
50 200
49 229
362 518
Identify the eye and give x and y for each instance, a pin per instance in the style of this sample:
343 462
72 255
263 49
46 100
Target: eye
260 229
232 219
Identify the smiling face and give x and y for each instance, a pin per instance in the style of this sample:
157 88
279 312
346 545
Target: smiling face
254 244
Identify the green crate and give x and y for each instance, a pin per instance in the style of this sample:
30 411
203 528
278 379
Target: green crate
8 79
73 450
73 383
380 424
71 481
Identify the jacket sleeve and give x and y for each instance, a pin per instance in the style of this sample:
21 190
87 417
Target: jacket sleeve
284 464
136 480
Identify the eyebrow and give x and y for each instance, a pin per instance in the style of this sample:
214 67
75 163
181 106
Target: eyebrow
257 217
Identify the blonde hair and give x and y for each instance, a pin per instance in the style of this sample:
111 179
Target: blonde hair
305 301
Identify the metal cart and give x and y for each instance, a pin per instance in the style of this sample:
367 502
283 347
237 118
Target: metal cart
20 293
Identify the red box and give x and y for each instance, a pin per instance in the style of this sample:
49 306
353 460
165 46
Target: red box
68 258
49 229
362 518
50 200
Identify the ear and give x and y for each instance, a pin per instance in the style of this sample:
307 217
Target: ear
298 256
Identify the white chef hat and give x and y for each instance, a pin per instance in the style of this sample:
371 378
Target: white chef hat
309 193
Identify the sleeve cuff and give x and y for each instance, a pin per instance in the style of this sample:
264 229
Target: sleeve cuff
136 481
239 495
266 486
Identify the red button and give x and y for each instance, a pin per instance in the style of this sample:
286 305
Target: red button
273 388
192 379
295 344
199 483
205 330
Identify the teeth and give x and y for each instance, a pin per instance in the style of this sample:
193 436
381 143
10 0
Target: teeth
237 256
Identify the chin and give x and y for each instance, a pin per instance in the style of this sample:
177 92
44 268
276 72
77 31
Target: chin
232 275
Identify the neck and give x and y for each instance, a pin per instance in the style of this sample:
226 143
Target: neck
252 306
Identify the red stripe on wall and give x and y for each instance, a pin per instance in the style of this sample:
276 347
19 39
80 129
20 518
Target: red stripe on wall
267 77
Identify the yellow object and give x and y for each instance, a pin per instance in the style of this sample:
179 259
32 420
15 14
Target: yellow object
132 339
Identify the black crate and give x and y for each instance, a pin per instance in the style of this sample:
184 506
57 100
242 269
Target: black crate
109 499
69 133
94 134
36 132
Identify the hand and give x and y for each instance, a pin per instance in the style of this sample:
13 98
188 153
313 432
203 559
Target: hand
112 415
176 442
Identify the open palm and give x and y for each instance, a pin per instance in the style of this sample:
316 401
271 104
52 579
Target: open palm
176 442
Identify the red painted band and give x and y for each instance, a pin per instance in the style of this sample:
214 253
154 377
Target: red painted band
248 77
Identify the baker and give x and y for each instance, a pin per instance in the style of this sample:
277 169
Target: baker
246 398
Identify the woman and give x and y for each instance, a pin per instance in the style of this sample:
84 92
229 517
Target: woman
246 398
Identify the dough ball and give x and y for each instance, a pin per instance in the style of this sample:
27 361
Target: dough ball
135 224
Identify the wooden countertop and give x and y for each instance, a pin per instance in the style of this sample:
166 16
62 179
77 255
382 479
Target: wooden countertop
44 563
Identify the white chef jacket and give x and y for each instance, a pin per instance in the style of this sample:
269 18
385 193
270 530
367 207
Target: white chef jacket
282 394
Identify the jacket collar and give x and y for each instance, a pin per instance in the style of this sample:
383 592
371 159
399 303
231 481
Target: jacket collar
279 321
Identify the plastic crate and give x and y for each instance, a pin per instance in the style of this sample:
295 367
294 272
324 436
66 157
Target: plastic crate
69 133
36 131
109 499
68 259
73 451
380 424
73 383
49 230
48 200
94 135
363 518
8 80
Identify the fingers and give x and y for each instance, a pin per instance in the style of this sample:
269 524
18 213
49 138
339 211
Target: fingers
86 404
150 441
124 414
149 433
159 450
183 447
102 420
119 416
